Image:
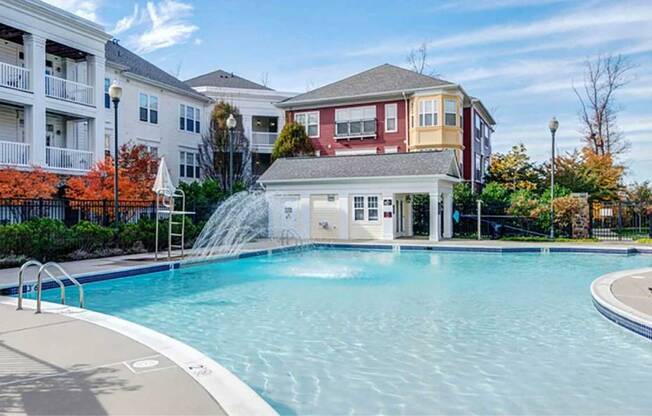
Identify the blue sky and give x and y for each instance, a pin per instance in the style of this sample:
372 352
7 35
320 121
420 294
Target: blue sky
521 58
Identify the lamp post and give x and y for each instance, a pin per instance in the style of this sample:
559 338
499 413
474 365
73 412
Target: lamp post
553 125
231 123
115 92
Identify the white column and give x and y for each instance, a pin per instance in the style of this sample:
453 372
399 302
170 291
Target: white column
448 215
388 222
304 216
95 74
34 51
345 217
434 216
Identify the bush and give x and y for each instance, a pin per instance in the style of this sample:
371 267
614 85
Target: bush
203 197
293 141
464 199
91 237
495 198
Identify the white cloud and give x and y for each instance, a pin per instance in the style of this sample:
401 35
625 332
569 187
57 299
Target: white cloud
82 8
158 25
474 5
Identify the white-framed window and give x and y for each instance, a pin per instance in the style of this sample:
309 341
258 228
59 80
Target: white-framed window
428 112
355 121
189 118
148 108
366 208
107 97
189 165
478 167
450 112
310 121
477 126
391 114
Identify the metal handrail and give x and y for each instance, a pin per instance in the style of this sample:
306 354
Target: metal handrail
39 289
25 266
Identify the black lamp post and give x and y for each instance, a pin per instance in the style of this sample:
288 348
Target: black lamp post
553 125
115 92
231 123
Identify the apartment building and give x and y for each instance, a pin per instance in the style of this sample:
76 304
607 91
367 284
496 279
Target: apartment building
261 119
55 113
388 109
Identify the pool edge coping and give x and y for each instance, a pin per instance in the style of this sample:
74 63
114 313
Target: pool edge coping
232 394
610 307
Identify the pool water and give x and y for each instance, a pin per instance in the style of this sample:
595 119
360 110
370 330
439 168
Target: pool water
418 332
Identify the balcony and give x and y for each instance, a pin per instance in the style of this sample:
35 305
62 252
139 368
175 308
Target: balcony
14 153
64 89
263 141
15 77
69 159
355 129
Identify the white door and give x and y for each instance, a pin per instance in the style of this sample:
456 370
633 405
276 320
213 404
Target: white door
285 213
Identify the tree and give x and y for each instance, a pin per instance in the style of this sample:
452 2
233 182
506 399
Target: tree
214 148
589 172
639 195
514 170
137 170
417 60
495 198
293 141
602 79
463 198
33 184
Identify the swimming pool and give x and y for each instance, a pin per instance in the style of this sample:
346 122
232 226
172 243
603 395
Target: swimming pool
333 331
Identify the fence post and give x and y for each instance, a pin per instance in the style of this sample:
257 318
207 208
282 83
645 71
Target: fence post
40 207
620 221
649 223
479 219
105 216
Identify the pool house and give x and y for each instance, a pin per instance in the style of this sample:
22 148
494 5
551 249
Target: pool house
361 197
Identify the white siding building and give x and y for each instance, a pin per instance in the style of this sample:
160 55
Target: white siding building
262 121
55 69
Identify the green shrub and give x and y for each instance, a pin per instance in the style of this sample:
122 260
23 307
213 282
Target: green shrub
91 237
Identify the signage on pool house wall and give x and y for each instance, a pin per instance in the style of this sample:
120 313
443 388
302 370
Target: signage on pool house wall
387 208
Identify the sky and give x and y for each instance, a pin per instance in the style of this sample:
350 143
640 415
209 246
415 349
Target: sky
522 58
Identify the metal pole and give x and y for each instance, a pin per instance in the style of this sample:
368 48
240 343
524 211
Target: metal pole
479 219
115 165
230 160
552 190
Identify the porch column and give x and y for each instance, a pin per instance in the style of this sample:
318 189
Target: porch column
34 52
95 75
304 216
435 233
386 212
448 215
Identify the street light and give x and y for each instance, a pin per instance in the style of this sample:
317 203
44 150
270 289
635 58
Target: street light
231 123
115 92
553 125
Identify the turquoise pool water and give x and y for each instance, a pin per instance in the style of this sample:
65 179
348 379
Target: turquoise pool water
368 332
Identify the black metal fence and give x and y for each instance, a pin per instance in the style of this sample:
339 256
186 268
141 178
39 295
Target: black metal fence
72 211
620 221
497 226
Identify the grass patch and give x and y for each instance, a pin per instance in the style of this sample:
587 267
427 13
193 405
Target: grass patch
644 240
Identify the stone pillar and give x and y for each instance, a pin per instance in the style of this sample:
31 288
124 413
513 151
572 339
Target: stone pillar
435 232
448 214
581 220
34 51
95 74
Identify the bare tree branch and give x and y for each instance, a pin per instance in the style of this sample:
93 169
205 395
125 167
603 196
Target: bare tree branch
264 79
417 60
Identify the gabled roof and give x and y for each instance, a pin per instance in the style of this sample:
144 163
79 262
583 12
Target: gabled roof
121 56
385 78
224 79
362 166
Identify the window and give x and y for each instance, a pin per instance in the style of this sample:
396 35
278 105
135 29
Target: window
189 118
355 121
310 121
478 167
189 165
107 98
391 111
428 113
365 208
477 126
450 110
148 108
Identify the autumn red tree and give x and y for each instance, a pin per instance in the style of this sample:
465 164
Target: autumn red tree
137 170
28 184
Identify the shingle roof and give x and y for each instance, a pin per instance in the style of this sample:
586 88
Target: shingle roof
394 164
122 56
224 79
378 80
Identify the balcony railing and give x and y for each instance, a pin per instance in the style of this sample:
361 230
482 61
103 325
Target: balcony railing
14 153
263 140
12 76
355 128
64 89
70 159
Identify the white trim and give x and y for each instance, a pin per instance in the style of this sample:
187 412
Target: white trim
365 208
434 112
395 106
231 393
351 152
307 124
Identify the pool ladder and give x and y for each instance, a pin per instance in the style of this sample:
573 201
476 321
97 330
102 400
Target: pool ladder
43 268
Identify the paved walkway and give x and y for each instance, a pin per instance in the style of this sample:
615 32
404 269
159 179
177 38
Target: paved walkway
53 364
635 291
